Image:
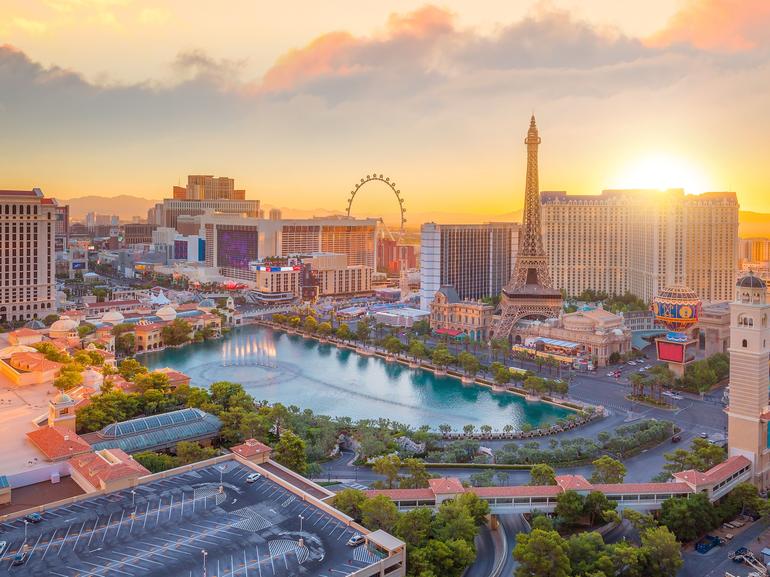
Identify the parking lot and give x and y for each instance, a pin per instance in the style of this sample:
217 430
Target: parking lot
171 527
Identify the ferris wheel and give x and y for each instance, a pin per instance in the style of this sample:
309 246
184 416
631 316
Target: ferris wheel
390 183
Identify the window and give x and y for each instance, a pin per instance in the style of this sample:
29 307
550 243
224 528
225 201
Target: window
745 343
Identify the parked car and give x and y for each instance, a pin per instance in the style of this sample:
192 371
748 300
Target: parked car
356 540
676 438
19 558
632 363
253 478
3 545
676 397
34 517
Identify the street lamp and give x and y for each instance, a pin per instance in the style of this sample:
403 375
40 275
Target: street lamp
25 530
133 497
301 518
205 553
221 472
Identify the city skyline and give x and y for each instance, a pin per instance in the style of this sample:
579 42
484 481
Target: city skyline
433 96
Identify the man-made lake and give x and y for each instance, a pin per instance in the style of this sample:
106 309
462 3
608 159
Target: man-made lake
278 367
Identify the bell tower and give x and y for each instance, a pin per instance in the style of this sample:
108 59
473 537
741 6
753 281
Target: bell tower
749 410
61 412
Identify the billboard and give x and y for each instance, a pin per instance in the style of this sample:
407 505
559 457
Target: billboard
670 351
78 265
236 246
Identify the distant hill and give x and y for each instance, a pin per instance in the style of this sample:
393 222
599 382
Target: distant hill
125 206
751 223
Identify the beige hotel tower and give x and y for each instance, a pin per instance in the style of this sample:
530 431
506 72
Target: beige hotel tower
749 413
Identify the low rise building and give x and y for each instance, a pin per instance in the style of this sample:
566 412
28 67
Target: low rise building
448 312
597 332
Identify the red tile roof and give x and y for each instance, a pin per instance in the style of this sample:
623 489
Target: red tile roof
107 465
24 332
404 494
33 362
58 443
518 491
109 304
729 467
251 447
632 488
573 483
446 486
17 193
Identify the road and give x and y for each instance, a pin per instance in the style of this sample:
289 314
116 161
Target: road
485 555
715 563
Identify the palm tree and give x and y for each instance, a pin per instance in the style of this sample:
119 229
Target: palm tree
444 428
508 429
486 429
469 429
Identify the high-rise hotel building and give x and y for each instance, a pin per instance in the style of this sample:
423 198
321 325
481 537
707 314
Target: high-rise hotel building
205 193
234 242
475 259
27 263
641 241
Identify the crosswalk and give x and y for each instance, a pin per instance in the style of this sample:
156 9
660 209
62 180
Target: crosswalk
251 520
358 486
283 546
362 554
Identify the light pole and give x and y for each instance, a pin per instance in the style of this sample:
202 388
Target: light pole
301 518
221 472
133 497
25 530
205 553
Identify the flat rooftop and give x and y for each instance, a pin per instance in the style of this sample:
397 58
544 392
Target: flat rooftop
163 527
40 494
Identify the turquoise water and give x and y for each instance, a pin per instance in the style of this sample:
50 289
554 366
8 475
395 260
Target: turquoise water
278 367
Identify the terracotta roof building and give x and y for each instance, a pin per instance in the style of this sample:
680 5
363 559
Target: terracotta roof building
58 443
108 469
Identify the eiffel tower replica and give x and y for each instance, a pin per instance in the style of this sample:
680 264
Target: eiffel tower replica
529 293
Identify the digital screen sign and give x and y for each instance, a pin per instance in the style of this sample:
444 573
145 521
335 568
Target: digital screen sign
78 265
236 246
278 268
671 352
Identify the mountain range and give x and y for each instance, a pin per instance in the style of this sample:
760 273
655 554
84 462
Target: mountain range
752 224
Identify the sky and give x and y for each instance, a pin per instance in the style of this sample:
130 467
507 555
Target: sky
298 100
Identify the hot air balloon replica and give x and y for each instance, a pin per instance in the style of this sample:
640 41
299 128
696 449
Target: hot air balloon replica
677 308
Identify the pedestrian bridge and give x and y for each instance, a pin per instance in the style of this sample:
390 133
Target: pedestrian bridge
715 482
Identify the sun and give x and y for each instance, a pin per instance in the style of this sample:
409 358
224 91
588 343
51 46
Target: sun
661 172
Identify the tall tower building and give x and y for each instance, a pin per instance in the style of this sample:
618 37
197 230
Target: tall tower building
641 241
475 259
749 413
27 267
529 292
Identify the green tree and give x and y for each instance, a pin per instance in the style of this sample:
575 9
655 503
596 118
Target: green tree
155 462
661 553
289 451
414 526
569 507
442 357
349 501
417 349
476 507
189 452
587 554
50 319
595 505
324 329
392 345
541 554
389 466
85 329
379 512
128 368
68 378
469 363
363 330
688 518
310 324
608 470
454 521
418 475
701 456
441 558
177 332
542 474
343 332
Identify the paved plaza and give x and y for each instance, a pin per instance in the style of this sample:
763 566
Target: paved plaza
162 528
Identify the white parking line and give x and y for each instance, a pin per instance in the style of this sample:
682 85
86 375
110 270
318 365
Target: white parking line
79 534
106 528
154 553
64 540
49 542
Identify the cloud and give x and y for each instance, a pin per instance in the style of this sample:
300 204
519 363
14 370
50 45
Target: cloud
720 25
30 26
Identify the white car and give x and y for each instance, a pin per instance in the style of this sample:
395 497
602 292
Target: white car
610 374
676 397
253 478
632 363
667 393
356 540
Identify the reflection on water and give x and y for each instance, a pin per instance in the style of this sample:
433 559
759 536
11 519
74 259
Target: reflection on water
292 370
